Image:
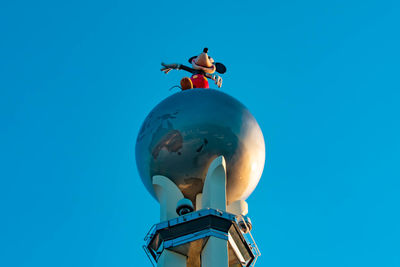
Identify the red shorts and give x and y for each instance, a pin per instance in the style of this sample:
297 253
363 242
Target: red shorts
199 81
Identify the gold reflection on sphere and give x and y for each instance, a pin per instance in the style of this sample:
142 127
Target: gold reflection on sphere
184 133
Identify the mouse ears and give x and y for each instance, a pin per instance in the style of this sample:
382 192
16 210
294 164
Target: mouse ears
220 68
191 59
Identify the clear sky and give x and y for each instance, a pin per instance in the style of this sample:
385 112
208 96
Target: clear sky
77 79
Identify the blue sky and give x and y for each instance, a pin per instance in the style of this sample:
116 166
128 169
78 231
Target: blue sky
77 79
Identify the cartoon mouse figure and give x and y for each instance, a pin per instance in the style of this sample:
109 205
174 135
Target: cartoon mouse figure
202 68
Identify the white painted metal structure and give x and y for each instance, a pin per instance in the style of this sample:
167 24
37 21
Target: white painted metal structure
213 197
215 253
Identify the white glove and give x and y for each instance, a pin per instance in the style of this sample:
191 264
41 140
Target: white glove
168 67
218 80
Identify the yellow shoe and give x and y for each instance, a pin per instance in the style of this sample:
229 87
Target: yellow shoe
186 83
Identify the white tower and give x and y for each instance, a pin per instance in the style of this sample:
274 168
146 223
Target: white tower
200 153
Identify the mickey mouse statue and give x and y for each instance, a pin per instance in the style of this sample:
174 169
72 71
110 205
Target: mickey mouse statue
202 68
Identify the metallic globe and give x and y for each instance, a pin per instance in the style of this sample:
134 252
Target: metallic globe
184 133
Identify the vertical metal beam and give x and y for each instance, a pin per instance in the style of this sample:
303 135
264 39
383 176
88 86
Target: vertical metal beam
214 190
215 252
199 199
168 194
171 259
238 207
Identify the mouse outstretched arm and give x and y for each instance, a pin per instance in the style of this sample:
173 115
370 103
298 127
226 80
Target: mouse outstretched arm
168 67
216 78
175 66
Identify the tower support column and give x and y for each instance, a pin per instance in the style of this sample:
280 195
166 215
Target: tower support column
168 194
215 252
171 259
207 237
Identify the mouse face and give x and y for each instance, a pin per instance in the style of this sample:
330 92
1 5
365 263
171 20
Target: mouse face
206 63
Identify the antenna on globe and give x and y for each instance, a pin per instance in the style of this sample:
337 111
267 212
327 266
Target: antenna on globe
200 154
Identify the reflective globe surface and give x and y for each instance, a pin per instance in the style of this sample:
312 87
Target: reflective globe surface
185 132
